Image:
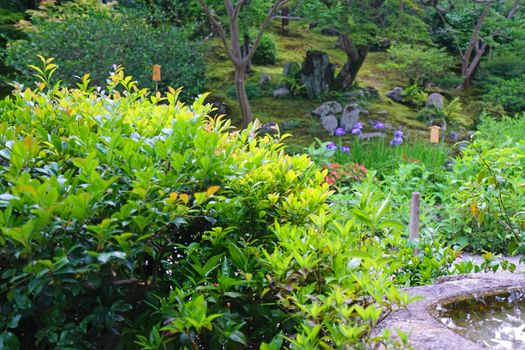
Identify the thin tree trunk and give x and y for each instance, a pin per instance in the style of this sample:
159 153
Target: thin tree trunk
234 50
246 51
356 56
514 9
468 66
285 21
242 96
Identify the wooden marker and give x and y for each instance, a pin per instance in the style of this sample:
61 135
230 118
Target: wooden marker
414 216
156 76
434 134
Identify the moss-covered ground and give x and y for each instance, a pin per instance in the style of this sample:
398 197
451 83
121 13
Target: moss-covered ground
293 114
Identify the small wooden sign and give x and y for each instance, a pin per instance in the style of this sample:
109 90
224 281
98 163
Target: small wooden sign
156 73
434 134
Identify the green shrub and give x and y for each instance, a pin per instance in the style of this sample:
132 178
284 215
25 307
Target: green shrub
266 53
486 190
418 64
505 65
508 93
89 37
252 90
136 221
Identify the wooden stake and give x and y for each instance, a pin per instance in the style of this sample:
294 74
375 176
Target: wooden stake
434 134
414 216
156 76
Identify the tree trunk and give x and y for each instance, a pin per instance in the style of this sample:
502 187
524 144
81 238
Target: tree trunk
246 51
235 52
285 20
242 96
356 56
468 66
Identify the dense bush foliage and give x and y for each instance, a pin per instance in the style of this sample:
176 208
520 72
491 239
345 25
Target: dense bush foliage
418 64
89 37
127 223
488 188
507 93
266 53
475 200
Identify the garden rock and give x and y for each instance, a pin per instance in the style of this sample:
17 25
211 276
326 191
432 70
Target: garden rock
330 123
269 128
371 135
265 81
291 69
396 94
382 114
330 107
317 74
221 107
351 115
435 100
453 136
354 95
281 92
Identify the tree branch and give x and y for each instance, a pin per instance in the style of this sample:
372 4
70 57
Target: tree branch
218 27
475 34
514 9
238 6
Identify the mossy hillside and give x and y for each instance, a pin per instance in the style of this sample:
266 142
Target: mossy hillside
293 114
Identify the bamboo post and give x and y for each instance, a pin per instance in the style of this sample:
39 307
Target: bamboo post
414 216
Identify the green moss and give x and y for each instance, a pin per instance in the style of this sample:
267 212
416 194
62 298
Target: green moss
292 47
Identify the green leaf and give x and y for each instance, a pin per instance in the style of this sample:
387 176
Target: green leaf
238 337
9 341
105 257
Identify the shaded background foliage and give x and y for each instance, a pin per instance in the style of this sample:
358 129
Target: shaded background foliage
89 37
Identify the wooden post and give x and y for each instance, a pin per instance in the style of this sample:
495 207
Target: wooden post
414 216
156 76
434 134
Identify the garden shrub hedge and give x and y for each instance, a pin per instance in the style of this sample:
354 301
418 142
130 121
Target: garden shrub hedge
131 220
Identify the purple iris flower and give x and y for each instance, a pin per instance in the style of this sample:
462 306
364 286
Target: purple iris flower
379 125
398 133
356 130
340 132
345 149
396 141
331 146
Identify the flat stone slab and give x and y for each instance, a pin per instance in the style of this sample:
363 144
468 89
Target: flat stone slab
427 333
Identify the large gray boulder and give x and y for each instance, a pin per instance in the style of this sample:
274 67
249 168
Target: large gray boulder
435 100
396 94
330 123
317 74
282 92
330 107
351 114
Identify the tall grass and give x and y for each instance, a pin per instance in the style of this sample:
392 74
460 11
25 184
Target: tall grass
377 154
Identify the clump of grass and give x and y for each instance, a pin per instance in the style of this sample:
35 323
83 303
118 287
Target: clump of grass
377 154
